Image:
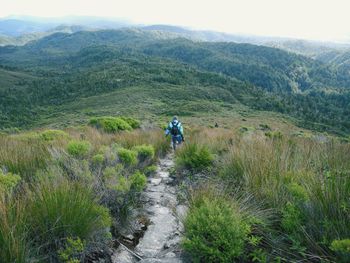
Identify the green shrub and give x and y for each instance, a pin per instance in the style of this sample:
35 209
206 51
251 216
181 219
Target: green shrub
123 184
78 148
61 209
194 157
98 159
291 218
150 170
8 181
341 248
110 124
138 181
50 135
112 172
214 230
114 179
132 122
128 157
297 192
72 250
144 152
274 134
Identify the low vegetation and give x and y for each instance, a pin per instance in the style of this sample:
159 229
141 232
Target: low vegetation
255 195
63 194
114 124
215 230
302 184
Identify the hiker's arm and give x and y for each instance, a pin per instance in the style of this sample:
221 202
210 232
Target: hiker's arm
167 130
182 133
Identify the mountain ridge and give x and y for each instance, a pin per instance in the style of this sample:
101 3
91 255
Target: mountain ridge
88 63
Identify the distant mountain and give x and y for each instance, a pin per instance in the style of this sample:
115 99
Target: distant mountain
15 27
269 68
25 25
19 30
62 68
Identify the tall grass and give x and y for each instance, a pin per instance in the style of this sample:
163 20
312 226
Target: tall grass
305 181
23 156
153 137
14 245
66 194
60 209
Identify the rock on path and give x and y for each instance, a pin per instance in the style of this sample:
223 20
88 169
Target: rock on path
161 241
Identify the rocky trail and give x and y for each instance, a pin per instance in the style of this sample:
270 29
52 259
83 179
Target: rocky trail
156 235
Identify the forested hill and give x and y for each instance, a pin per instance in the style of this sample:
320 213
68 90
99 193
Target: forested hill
43 76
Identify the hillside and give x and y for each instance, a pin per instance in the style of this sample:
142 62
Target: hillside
166 144
65 68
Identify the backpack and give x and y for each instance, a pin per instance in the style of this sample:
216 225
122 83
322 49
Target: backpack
175 129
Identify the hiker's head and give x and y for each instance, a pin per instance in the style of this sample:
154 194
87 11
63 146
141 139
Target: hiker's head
175 120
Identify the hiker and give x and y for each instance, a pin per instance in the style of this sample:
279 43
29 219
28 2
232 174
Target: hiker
176 130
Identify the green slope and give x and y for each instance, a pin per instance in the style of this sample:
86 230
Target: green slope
71 69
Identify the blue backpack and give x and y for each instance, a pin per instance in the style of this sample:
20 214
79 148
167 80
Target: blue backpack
175 130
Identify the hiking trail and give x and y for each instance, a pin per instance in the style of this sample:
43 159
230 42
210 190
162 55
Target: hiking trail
162 215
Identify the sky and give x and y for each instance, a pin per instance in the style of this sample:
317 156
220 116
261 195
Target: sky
327 20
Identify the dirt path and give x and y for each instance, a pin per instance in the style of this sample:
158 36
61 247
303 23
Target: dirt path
161 240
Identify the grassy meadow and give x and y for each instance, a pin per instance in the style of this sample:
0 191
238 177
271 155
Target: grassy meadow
65 193
257 191
262 195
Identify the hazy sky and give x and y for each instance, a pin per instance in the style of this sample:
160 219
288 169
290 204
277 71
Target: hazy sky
312 19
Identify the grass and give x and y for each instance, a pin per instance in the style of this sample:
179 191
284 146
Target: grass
113 124
144 152
154 137
194 157
304 180
79 148
23 155
14 245
282 195
62 209
214 229
67 191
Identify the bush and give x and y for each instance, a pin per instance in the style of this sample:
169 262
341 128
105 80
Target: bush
78 148
114 179
62 209
342 248
214 230
123 184
8 181
274 135
112 172
128 157
291 218
50 135
110 124
150 170
132 122
194 157
98 159
138 181
72 252
144 152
